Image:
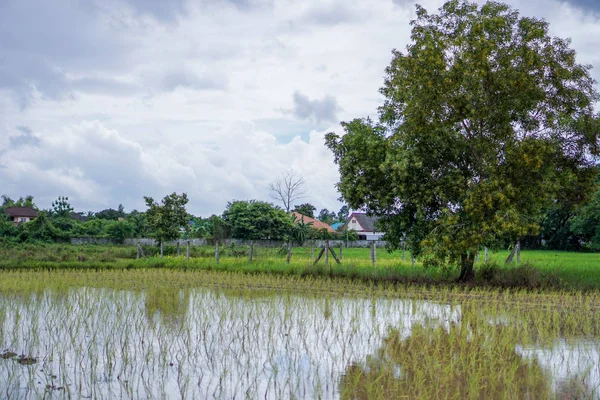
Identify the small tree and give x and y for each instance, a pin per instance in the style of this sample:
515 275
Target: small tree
342 215
288 188
61 207
120 230
326 216
306 209
167 218
254 220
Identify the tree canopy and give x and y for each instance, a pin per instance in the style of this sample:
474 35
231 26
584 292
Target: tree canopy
167 217
254 219
486 121
306 209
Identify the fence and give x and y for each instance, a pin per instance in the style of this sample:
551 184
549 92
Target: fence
228 242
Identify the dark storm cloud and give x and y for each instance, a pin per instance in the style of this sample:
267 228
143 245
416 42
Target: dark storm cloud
324 110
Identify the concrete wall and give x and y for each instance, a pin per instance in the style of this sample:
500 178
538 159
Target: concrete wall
92 240
226 242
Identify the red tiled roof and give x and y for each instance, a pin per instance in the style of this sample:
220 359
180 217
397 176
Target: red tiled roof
21 212
315 222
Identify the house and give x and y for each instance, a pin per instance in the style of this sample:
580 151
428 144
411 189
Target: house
315 222
364 225
19 215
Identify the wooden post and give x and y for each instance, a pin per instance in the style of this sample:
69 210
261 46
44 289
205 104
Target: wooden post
319 256
414 261
403 250
138 252
514 251
373 252
341 255
187 252
485 254
289 253
178 247
217 251
161 249
334 256
251 253
327 252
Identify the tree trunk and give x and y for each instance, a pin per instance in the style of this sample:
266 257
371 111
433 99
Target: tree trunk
467 273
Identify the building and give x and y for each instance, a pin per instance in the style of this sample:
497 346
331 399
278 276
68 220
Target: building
336 227
19 215
364 225
316 224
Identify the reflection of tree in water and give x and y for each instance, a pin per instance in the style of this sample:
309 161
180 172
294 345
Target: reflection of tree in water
462 361
169 305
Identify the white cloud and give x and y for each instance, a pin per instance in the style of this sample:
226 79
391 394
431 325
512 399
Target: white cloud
97 167
126 98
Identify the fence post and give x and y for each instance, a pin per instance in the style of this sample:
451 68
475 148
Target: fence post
138 252
373 252
414 260
518 251
178 241
161 249
251 254
217 251
312 250
485 254
341 255
289 252
403 250
187 253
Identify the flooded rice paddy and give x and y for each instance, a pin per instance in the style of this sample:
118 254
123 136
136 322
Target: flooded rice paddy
164 340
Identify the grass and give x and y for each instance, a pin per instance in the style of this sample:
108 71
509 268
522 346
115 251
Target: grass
537 270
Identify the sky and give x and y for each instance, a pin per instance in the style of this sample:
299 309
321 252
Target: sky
107 101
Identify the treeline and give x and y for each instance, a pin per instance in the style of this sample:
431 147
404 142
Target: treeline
167 220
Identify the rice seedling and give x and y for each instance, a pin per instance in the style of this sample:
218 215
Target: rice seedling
198 333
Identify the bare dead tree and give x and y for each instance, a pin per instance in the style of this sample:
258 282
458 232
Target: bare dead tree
288 188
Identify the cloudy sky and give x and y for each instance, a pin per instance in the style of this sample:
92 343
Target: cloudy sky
106 101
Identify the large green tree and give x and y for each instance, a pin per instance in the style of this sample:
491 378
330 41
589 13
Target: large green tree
254 219
166 218
486 121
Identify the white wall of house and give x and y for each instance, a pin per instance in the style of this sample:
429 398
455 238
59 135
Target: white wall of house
373 235
21 220
353 225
